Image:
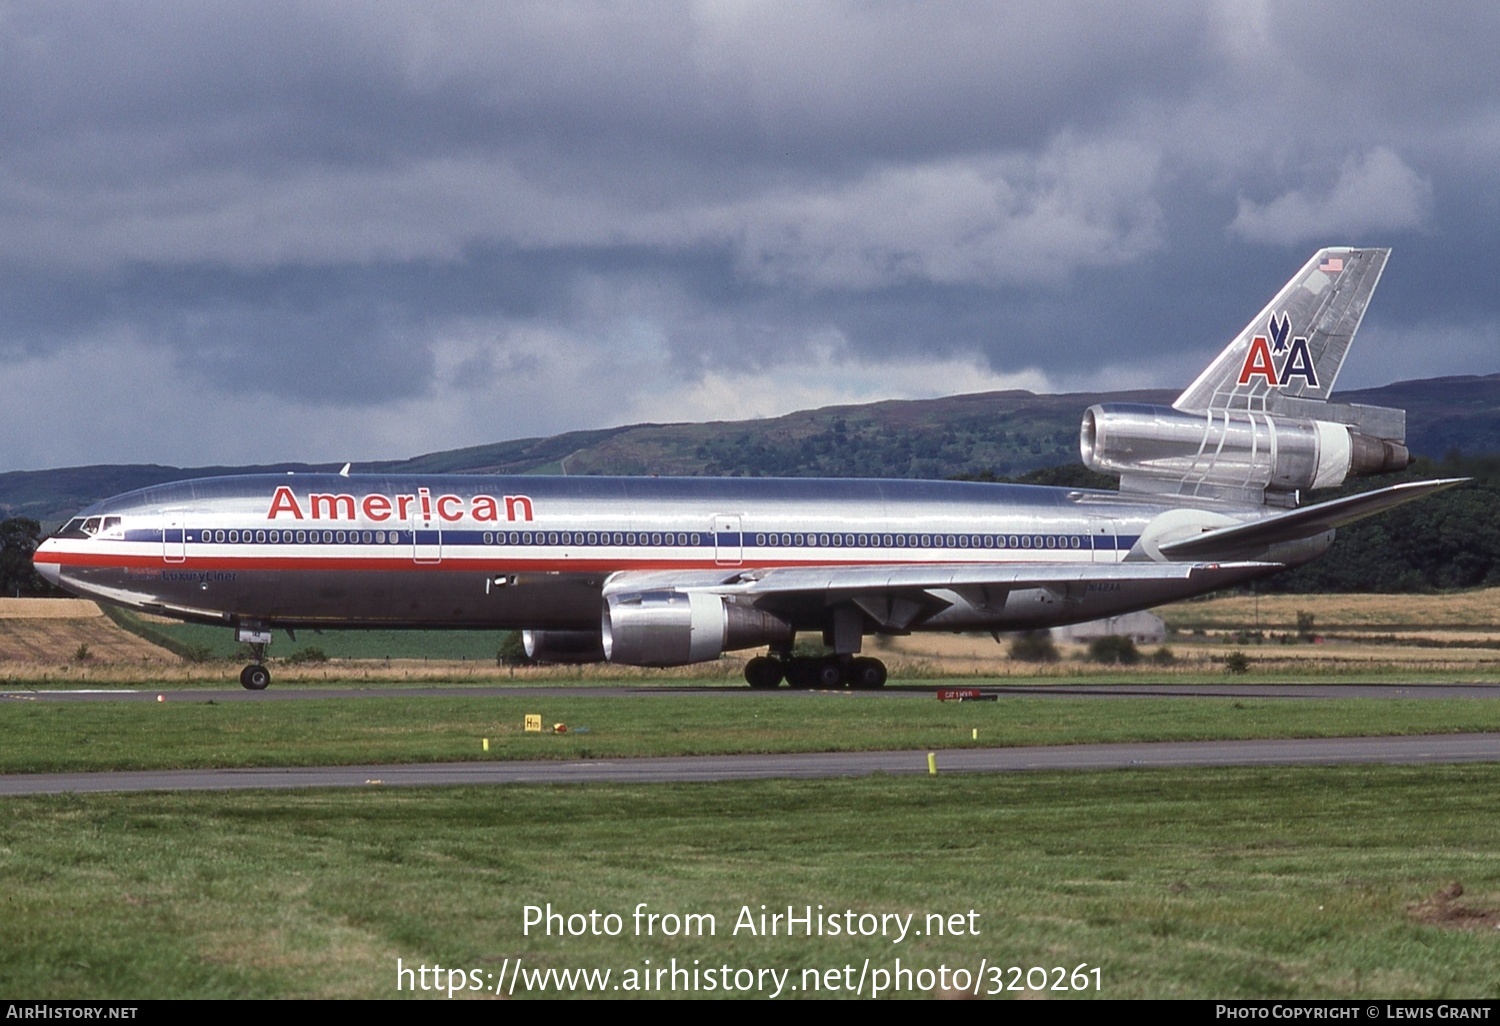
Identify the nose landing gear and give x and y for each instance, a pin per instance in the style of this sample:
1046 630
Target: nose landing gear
255 677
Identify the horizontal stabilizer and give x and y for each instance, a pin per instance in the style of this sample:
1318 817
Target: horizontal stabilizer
1306 522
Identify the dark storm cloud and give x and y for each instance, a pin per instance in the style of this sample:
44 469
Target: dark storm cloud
368 230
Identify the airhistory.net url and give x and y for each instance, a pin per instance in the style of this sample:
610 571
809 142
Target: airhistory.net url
681 977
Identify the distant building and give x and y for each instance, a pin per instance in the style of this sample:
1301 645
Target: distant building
1143 628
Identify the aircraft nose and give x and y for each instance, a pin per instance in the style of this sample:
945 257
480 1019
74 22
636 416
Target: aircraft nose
51 571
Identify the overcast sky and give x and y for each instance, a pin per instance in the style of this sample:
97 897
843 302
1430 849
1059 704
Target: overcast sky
237 232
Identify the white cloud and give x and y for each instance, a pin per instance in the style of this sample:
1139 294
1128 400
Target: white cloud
316 231
824 375
493 381
980 221
1375 191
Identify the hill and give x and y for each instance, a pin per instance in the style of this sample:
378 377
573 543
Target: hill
990 434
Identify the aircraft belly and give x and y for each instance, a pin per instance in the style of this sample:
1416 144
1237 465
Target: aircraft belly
354 598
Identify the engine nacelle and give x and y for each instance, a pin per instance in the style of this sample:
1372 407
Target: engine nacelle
674 628
1229 449
564 646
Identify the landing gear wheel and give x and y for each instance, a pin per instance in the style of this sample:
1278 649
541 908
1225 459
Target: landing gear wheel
866 674
803 674
763 672
255 677
830 674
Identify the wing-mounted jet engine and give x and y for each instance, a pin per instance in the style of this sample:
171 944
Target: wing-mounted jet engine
674 628
1256 426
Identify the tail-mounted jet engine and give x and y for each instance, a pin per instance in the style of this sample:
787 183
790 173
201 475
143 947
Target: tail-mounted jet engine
674 628
1228 453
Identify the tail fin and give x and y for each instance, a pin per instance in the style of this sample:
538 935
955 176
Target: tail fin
1294 348
1257 425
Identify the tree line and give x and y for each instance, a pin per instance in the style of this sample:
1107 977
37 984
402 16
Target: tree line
19 537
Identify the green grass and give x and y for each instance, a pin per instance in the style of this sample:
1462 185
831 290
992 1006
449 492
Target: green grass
47 736
1248 883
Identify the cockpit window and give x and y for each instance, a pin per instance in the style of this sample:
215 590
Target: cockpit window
72 529
88 527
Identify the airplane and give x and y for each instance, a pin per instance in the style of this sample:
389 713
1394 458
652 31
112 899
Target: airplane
663 572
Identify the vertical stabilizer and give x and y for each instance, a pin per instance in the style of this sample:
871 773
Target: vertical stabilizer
1294 348
1257 426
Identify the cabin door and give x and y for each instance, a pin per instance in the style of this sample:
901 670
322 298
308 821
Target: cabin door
173 536
1104 538
729 544
426 539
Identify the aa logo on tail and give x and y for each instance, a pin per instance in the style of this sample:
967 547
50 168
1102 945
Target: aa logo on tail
1276 360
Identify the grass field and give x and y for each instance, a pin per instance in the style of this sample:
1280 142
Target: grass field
58 737
1363 882
1247 883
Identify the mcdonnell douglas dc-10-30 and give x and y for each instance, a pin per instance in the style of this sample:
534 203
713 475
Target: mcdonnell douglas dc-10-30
672 571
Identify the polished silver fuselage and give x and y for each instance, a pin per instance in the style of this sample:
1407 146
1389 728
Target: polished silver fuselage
537 552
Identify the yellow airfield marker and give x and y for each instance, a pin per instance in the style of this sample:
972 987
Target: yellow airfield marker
486 744
932 764
533 723
976 733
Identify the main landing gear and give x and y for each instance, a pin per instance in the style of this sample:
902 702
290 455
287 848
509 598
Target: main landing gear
843 669
828 672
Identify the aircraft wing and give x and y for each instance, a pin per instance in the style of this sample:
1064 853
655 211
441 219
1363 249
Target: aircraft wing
898 597
844 580
1301 523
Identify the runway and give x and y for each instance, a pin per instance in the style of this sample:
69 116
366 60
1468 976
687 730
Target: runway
924 692
1448 748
